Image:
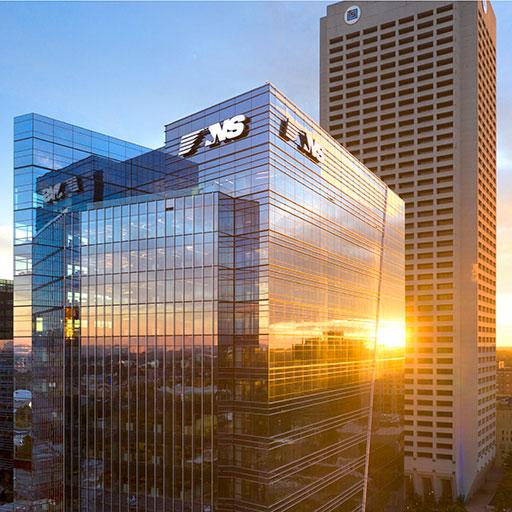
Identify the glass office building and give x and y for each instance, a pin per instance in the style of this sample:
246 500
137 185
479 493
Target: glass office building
207 326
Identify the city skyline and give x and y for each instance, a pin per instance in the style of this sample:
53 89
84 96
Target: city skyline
300 49
40 69
259 255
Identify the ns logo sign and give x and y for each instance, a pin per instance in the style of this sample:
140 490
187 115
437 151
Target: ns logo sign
54 193
229 129
307 144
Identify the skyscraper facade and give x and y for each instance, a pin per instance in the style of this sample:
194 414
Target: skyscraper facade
212 315
46 147
409 88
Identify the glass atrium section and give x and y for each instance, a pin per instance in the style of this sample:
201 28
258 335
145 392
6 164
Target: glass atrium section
212 313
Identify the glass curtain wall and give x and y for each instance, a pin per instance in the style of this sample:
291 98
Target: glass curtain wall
217 348
305 362
147 354
385 481
43 146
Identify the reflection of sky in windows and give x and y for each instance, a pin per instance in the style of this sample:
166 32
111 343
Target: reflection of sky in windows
248 259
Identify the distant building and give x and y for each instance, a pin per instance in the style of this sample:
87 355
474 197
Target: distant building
503 428
504 380
6 389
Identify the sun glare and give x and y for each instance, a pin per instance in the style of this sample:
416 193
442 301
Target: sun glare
391 334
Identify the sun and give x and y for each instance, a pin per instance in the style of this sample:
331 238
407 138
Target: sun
391 334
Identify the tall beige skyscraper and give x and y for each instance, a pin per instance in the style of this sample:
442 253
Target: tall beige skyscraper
410 89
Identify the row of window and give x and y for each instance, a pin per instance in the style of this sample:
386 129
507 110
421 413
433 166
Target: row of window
426 455
396 43
402 21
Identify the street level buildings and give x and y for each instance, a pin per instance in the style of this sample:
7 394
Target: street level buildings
503 380
6 391
409 88
205 326
503 429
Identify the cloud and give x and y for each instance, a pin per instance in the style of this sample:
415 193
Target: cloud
504 319
6 262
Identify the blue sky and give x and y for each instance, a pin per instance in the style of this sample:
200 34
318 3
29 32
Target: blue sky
126 69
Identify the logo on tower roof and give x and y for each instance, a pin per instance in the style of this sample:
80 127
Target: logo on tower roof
190 142
227 130
304 140
352 15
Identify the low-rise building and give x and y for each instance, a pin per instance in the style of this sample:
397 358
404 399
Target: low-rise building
503 428
504 380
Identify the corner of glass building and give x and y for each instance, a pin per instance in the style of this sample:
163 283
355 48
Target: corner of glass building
216 324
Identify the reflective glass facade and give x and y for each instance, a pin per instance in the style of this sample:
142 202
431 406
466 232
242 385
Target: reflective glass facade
211 321
148 288
46 150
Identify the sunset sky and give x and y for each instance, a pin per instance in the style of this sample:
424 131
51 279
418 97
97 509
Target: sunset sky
127 69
